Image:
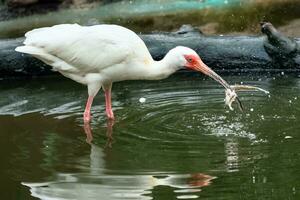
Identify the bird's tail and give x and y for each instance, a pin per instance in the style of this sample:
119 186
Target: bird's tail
29 50
47 58
36 52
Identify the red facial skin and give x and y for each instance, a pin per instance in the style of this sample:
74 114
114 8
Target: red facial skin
194 62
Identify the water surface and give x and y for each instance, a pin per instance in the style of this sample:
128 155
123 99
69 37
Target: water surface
182 143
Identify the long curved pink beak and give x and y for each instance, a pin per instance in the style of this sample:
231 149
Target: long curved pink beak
201 67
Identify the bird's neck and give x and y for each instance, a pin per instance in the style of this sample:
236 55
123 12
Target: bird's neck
162 69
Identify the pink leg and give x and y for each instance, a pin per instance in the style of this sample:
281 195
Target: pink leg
109 112
87 111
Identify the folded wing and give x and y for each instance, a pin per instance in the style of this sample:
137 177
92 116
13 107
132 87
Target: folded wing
77 49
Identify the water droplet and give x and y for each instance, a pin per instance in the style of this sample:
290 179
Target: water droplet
294 190
264 179
142 100
251 109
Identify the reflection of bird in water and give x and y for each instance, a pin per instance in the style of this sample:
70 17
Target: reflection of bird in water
109 133
100 183
99 55
232 156
100 186
200 180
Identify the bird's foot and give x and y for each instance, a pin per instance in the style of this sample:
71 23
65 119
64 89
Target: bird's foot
110 115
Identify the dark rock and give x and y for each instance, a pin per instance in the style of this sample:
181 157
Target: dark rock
13 64
284 51
270 53
20 8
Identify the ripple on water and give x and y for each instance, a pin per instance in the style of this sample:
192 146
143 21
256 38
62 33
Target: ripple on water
182 113
182 128
174 108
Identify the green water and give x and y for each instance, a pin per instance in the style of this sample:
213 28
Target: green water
180 144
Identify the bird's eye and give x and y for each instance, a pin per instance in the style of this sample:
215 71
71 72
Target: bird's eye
190 60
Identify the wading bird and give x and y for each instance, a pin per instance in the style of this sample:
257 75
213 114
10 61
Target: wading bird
99 55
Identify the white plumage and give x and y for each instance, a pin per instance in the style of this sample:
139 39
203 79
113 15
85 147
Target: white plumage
78 50
99 55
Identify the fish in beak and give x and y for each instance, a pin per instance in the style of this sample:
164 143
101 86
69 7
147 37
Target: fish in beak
196 64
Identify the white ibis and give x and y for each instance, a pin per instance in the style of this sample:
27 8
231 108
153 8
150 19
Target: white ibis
99 55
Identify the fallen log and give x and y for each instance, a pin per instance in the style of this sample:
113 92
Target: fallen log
270 52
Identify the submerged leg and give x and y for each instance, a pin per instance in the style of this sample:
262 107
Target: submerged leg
109 112
109 132
88 131
87 111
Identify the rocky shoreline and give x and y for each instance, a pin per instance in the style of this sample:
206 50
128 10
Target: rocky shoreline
271 52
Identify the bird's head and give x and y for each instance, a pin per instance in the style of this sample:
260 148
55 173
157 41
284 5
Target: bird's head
191 60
